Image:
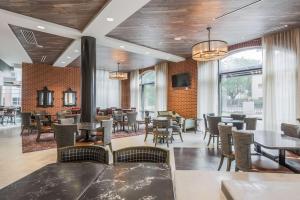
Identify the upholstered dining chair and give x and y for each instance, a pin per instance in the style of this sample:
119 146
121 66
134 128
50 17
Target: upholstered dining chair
250 123
26 122
241 117
177 128
141 154
225 132
104 133
162 130
148 128
247 162
42 129
213 122
291 130
83 154
131 120
65 134
206 130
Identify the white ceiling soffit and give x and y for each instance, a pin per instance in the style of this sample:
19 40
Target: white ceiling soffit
119 10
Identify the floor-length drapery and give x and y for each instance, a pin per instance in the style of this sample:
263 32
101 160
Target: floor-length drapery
207 94
135 89
107 90
280 78
161 86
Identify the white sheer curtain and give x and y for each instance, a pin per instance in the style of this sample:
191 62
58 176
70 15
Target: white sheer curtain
280 78
161 86
207 94
135 89
107 90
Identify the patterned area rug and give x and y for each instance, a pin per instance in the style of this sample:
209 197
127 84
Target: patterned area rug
47 141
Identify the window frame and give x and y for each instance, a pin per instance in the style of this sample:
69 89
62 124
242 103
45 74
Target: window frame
142 89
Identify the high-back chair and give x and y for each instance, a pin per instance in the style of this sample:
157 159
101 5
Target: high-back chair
240 117
291 130
41 129
104 133
247 162
205 123
225 132
141 154
250 123
162 130
83 154
26 122
131 120
213 122
148 127
177 128
65 134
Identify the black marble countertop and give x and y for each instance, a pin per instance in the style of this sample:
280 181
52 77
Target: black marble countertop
130 181
55 181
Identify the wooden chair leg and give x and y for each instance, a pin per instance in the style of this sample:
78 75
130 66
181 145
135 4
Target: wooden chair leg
180 136
38 137
228 164
221 162
146 134
205 132
22 130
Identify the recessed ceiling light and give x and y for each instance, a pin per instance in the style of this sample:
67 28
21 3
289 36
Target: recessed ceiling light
76 50
63 62
109 19
41 27
122 46
286 25
177 38
69 57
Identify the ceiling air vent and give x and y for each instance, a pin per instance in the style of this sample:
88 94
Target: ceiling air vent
43 58
30 38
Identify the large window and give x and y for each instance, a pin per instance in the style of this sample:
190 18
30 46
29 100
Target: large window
240 88
147 88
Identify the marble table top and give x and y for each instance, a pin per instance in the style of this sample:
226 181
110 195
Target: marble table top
189 184
144 181
276 140
54 181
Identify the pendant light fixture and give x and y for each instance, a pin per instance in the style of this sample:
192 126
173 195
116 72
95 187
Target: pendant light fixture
210 49
117 75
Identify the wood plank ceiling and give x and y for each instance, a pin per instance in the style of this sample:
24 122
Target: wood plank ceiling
71 13
41 47
107 59
158 23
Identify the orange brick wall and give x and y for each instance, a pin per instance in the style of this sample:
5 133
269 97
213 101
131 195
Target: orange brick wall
37 76
180 100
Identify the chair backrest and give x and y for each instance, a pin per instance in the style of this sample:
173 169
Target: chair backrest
147 114
66 121
26 118
65 134
237 116
83 153
291 130
225 132
131 117
38 122
213 122
242 141
60 115
141 154
108 127
77 118
162 123
250 123
205 119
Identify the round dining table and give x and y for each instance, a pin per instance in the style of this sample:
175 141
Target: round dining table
235 123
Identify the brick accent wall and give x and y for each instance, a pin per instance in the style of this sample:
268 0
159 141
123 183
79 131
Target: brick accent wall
251 43
37 76
181 100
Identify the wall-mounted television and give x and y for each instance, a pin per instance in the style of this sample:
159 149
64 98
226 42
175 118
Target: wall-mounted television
181 80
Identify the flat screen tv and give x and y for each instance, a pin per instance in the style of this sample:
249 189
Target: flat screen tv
181 80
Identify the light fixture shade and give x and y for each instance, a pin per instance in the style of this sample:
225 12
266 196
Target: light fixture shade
209 50
118 75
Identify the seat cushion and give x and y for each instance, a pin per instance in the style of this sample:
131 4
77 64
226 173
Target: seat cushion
263 164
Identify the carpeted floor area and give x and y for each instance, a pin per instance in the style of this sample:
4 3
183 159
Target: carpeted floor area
29 143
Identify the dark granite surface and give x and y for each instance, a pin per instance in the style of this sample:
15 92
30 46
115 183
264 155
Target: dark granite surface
132 181
55 181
